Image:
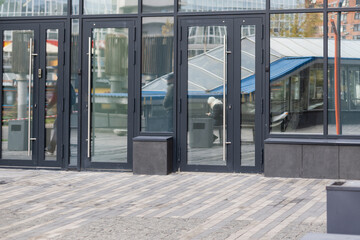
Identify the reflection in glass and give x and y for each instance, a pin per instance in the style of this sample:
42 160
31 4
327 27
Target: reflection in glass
74 90
110 7
157 6
11 8
296 73
220 5
109 98
248 93
157 74
15 90
343 3
51 93
205 95
295 4
343 69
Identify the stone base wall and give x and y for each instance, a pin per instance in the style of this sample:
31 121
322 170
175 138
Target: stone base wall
312 161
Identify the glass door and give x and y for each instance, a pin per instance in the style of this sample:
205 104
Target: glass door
206 77
221 106
28 52
108 59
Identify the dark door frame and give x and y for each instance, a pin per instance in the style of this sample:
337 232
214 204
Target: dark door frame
38 94
233 24
86 33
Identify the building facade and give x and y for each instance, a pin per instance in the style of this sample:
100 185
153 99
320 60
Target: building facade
267 86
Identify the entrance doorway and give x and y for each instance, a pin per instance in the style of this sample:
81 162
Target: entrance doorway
221 84
108 65
32 78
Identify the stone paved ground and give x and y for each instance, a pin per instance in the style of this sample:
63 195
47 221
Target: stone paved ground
43 204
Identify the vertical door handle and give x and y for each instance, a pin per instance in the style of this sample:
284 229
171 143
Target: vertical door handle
31 54
89 101
224 98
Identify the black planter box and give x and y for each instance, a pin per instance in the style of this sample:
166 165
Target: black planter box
152 155
343 207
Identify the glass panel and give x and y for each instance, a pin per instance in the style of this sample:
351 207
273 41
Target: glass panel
11 8
248 93
343 3
74 90
109 101
110 7
343 69
295 4
220 5
75 7
15 107
156 6
51 93
157 74
205 95
296 73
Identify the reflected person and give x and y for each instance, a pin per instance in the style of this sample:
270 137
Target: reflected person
168 101
216 112
53 105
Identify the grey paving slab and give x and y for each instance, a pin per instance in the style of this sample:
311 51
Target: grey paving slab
41 204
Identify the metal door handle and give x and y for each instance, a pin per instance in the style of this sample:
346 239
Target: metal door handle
31 54
224 98
89 100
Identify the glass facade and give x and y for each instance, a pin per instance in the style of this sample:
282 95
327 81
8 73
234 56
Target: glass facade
157 78
296 73
110 7
20 8
192 104
343 74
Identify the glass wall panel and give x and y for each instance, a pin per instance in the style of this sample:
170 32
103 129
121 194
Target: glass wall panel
12 8
296 73
343 3
295 4
110 7
220 5
51 93
157 6
75 7
74 90
206 94
15 91
343 73
157 74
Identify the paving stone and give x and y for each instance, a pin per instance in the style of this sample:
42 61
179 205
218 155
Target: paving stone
41 204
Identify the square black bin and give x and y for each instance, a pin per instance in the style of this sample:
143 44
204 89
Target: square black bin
343 207
152 155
